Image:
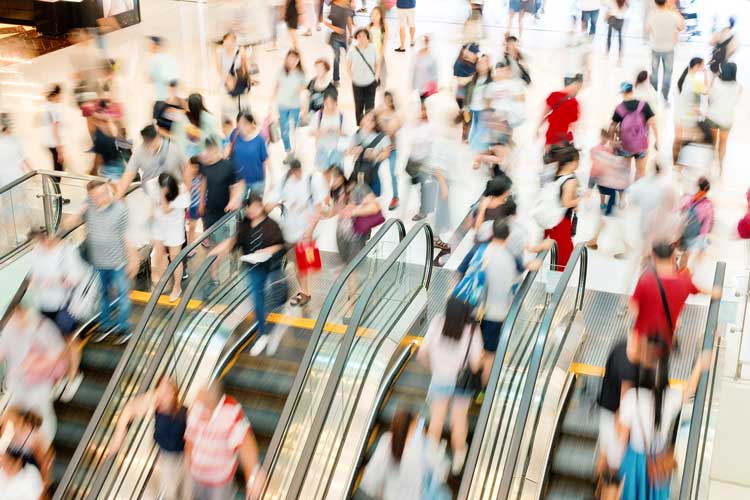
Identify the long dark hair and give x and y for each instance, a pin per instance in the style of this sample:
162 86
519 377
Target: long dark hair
642 77
693 63
399 430
457 314
488 76
298 67
168 181
656 379
621 3
195 108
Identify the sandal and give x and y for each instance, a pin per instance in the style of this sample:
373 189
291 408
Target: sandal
300 299
441 245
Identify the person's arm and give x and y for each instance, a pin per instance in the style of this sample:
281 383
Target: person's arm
481 212
202 196
224 247
235 196
368 207
124 183
349 65
55 127
703 364
441 184
248 458
378 61
570 197
137 407
681 21
545 114
652 125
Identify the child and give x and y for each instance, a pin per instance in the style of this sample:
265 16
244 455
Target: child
698 213
610 173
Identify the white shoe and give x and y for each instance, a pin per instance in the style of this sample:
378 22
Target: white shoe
71 388
273 343
458 461
259 346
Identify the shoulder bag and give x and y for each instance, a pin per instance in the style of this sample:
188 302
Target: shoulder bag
377 82
664 303
467 380
659 464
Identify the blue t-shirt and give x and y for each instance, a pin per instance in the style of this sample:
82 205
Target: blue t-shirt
406 4
248 157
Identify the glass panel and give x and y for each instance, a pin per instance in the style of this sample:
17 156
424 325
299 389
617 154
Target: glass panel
490 461
374 343
334 320
21 210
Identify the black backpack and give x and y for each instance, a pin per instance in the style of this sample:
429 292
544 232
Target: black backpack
368 170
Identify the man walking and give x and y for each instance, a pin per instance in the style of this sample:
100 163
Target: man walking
663 27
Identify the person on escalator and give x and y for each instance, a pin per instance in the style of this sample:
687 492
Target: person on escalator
260 239
217 437
55 270
405 465
661 286
451 344
648 415
21 430
19 480
170 422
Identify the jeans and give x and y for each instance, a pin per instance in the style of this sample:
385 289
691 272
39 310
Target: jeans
337 45
113 171
258 187
364 99
667 61
117 279
616 25
477 133
394 177
256 281
285 116
589 17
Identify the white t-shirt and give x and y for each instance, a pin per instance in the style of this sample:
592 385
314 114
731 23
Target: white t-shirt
589 4
50 268
52 115
506 98
502 273
12 157
722 101
37 335
25 485
447 355
637 413
479 94
330 127
299 196
290 89
689 100
663 25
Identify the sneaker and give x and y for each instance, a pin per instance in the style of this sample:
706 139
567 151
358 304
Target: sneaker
71 388
418 217
458 461
259 346
399 49
393 205
273 343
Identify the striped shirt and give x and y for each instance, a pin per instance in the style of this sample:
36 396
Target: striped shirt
105 235
215 436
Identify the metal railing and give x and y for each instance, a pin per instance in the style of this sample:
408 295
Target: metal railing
108 401
698 436
497 368
579 259
344 351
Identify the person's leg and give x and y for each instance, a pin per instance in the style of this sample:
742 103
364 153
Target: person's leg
610 28
257 281
593 18
284 116
121 283
620 25
336 46
158 263
412 25
176 275
655 70
170 465
438 412
105 309
459 426
520 23
401 29
640 166
723 137
359 102
668 62
294 115
394 177
370 91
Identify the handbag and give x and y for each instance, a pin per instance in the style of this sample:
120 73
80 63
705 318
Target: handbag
468 381
308 257
430 88
270 130
413 169
368 169
362 224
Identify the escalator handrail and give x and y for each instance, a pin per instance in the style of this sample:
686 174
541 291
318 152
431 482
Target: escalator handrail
149 379
695 436
580 257
129 350
497 367
296 391
339 364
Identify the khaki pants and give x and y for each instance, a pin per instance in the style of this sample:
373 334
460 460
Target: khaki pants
173 478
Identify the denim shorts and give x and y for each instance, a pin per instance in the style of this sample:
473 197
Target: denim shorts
491 334
626 154
437 392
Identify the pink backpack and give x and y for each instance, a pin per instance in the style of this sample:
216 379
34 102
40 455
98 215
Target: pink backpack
633 129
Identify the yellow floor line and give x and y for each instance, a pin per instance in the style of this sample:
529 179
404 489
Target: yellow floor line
598 371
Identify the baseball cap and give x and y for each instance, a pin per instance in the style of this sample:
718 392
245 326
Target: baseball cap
626 87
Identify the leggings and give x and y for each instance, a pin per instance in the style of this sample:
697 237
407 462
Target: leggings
615 25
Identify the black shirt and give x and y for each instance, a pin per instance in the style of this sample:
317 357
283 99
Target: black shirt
631 106
618 369
339 17
220 177
266 233
106 147
317 96
169 430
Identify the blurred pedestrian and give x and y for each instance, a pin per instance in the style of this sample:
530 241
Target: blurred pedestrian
632 121
14 162
339 21
564 231
327 126
476 101
288 97
22 429
390 123
616 12
589 15
364 70
20 480
248 153
317 89
378 29
52 120
406 11
162 69
425 76
663 25
369 147
691 87
561 113
233 68
110 147
293 10
723 98
698 213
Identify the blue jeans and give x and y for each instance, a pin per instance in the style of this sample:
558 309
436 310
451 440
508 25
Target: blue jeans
394 177
113 171
589 17
477 133
285 116
667 61
256 280
337 46
117 279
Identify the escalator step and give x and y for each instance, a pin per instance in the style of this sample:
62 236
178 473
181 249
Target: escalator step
101 358
68 434
581 419
263 421
574 456
565 488
262 381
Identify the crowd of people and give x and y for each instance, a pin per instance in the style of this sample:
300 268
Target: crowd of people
196 165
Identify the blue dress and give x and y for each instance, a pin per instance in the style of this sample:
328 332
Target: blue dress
634 475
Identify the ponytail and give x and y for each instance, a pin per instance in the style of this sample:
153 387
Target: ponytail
693 63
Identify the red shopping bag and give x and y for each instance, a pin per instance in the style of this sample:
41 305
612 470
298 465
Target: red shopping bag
308 257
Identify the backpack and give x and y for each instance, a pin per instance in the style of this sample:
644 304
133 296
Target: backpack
548 211
693 224
471 288
242 78
366 170
633 128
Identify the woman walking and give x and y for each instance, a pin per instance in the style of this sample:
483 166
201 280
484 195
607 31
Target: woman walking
364 70
616 11
318 87
288 97
723 98
378 30
389 122
693 84
564 231
476 102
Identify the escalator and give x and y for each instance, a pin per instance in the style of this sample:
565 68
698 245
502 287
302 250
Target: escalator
407 381
210 315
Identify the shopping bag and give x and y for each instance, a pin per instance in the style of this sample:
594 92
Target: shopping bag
308 257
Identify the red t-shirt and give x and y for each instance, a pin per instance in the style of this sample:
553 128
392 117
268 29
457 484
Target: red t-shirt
651 315
565 112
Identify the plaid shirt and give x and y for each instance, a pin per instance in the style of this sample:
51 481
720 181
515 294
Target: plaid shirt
215 436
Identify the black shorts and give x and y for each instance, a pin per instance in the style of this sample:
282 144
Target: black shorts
291 17
491 334
66 331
